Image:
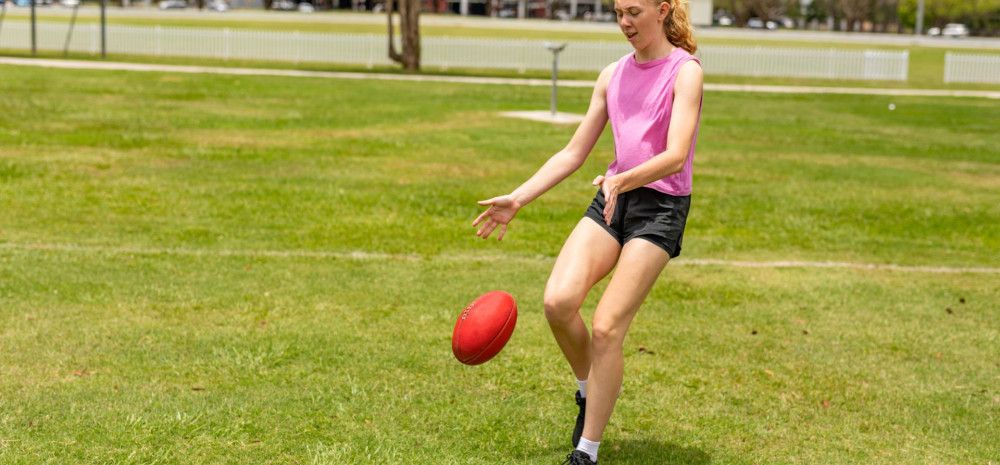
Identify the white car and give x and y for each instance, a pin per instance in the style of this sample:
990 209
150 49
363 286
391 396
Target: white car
171 4
955 30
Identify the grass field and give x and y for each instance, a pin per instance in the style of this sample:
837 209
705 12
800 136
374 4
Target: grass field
220 269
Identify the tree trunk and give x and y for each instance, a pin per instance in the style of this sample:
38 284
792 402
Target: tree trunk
409 30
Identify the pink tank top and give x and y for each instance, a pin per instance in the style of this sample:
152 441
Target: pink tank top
640 100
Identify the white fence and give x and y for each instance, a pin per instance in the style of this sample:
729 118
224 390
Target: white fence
806 63
961 67
446 52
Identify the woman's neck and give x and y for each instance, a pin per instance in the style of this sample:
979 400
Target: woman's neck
654 51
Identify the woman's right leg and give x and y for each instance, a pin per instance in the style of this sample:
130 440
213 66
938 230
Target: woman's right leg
588 255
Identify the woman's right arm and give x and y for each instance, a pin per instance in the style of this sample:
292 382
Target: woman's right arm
558 167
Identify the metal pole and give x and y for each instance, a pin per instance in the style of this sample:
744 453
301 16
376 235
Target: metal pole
920 17
69 32
104 26
34 43
3 13
555 73
555 48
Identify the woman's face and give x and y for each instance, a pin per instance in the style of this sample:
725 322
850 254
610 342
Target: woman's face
641 20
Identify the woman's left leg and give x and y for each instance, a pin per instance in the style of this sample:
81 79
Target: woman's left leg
639 265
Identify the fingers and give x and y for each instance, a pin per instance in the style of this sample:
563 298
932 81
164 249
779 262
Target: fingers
598 180
481 216
609 208
487 229
483 228
489 202
503 230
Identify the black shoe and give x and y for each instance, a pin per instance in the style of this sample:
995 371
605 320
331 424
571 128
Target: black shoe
578 457
578 429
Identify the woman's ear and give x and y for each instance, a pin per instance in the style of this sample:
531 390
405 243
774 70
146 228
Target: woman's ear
664 11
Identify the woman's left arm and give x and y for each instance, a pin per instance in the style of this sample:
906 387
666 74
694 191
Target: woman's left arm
683 120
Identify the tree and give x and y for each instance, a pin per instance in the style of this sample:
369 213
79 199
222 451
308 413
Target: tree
766 9
739 9
409 30
886 13
855 12
982 16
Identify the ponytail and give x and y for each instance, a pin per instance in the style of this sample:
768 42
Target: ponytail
677 26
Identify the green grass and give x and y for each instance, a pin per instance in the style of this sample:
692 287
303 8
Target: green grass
140 326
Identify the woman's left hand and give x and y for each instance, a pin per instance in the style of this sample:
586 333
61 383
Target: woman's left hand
610 187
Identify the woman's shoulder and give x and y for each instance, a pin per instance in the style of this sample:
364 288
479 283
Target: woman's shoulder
687 57
604 79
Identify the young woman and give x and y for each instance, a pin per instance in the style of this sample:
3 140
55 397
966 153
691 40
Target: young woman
652 97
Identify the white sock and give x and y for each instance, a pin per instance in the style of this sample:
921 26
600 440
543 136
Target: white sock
589 447
583 387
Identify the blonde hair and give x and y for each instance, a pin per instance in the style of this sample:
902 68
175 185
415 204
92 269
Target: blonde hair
678 27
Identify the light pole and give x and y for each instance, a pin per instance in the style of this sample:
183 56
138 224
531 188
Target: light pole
920 17
34 48
555 49
104 27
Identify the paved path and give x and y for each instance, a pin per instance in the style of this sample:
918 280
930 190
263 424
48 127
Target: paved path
121 66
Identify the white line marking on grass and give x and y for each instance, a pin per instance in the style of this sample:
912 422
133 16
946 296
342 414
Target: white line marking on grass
361 255
121 66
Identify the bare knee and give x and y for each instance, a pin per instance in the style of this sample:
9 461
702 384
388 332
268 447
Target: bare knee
560 307
607 336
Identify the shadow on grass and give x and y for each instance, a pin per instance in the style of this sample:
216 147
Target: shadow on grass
648 451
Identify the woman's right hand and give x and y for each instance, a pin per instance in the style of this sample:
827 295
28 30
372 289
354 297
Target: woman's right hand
501 210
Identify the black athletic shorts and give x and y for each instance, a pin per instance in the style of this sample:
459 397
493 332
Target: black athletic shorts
646 213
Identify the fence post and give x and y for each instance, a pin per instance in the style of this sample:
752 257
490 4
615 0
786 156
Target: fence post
298 46
947 67
225 35
906 66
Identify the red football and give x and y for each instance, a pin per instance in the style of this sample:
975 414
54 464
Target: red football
484 327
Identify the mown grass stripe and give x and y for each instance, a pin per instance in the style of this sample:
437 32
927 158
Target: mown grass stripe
368 255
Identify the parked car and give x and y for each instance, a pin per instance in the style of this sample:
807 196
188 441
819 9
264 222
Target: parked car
70 3
172 4
757 23
283 5
955 30
217 5
725 21
306 7
934 31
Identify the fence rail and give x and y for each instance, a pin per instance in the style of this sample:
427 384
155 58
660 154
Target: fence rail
963 67
446 52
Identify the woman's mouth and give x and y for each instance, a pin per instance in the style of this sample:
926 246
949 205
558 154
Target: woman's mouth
631 36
